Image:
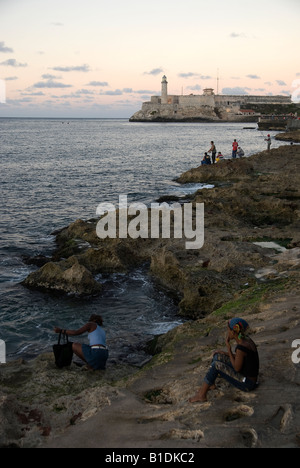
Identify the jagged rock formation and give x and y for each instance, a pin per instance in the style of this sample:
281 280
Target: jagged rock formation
230 276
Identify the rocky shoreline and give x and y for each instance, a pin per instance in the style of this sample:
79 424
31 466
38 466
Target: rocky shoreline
255 201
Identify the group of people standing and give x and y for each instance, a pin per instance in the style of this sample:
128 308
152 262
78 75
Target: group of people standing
207 160
237 151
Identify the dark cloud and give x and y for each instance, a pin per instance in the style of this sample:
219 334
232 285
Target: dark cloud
253 77
4 48
79 68
13 63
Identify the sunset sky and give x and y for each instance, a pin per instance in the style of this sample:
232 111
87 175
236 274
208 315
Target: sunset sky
71 58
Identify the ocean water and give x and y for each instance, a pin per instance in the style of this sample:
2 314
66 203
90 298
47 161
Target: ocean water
55 171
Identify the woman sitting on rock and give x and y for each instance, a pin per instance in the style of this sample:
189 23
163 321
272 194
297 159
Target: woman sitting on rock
240 369
95 354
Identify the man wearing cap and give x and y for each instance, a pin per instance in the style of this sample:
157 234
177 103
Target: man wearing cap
269 142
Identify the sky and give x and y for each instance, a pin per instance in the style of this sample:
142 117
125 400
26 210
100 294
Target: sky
102 59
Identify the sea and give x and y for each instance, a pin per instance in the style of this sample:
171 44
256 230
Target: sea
54 171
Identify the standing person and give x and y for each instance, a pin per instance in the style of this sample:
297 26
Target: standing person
234 148
213 152
269 142
95 354
240 369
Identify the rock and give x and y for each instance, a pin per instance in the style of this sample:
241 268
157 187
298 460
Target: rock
293 136
260 202
75 279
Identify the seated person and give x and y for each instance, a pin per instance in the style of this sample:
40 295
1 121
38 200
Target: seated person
240 369
240 152
95 354
206 160
220 157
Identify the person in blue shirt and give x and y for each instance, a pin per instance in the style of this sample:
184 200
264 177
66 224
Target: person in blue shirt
95 354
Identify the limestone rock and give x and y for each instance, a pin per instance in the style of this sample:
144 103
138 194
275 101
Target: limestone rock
75 279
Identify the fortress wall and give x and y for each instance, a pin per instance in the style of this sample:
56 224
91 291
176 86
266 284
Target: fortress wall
206 106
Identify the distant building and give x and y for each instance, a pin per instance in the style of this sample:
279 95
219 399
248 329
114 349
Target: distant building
207 107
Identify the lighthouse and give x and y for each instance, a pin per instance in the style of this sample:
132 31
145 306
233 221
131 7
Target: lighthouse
164 90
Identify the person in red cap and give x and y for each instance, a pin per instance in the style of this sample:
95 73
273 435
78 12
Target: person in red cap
234 148
269 142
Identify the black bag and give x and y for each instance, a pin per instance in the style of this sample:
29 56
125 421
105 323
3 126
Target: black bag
63 353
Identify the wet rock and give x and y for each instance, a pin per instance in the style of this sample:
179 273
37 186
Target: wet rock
74 279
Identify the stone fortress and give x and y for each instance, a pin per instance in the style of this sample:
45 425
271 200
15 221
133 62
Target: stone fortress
208 107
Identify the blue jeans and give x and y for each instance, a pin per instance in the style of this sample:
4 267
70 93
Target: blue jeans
222 367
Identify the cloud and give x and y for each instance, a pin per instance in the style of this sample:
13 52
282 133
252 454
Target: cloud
188 75
84 91
4 48
235 35
80 68
11 78
145 91
235 91
286 93
36 93
97 83
154 72
51 84
253 77
117 92
13 63
194 75
281 83
195 88
48 76
57 24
